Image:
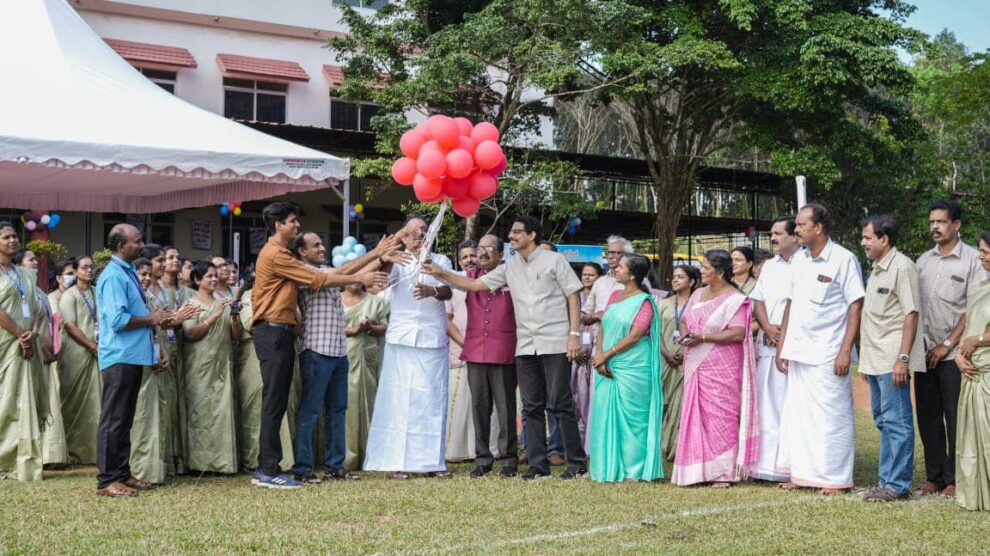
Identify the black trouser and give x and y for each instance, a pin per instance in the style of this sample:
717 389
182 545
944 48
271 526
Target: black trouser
496 384
276 353
546 379
936 394
121 385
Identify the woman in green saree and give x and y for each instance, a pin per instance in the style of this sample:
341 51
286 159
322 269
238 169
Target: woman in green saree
366 318
684 281
249 386
53 448
209 374
176 294
628 396
973 416
80 385
22 401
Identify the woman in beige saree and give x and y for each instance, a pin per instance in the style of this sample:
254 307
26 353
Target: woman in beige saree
366 318
80 384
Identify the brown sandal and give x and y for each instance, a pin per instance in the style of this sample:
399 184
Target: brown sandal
401 476
886 495
117 490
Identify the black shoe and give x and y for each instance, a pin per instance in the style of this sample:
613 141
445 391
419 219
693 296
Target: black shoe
533 474
574 473
479 472
307 478
340 475
508 472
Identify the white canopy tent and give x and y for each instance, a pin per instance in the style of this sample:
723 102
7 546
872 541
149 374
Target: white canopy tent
80 129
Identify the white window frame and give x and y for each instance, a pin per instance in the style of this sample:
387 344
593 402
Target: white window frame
358 103
254 95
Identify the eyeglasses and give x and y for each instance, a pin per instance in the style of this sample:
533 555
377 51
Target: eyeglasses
487 249
516 231
614 253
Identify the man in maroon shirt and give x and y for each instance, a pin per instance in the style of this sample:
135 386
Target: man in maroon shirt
490 353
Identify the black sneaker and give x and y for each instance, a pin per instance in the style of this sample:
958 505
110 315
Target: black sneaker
574 473
508 472
307 478
533 474
479 472
340 475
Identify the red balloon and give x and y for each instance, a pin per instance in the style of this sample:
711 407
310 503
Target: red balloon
431 164
436 199
465 143
444 130
487 155
482 186
459 163
411 141
466 206
426 188
484 131
497 171
432 145
464 125
456 188
404 171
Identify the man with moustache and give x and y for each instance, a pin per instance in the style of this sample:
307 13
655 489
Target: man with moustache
770 299
948 273
890 350
820 325
489 350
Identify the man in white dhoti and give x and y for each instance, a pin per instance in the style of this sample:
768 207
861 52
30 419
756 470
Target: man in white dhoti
770 299
460 426
408 425
821 321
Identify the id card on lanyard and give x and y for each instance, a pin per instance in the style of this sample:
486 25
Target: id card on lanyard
16 280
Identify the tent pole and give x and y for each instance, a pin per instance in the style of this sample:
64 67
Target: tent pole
346 221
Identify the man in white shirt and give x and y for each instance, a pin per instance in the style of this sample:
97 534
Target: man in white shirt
594 306
408 424
770 300
821 321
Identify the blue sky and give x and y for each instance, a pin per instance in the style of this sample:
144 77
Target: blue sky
968 19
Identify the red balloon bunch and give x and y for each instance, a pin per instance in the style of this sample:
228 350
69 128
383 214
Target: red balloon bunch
451 158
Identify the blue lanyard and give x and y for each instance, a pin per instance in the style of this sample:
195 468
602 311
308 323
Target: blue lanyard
130 274
162 302
16 280
91 307
44 303
678 315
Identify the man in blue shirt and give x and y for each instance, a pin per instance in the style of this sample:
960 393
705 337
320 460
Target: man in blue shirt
126 344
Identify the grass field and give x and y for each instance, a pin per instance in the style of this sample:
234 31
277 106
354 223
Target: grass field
378 515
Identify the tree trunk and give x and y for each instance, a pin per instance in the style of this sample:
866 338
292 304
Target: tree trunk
673 183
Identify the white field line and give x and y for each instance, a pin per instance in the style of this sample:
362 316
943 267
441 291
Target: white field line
651 521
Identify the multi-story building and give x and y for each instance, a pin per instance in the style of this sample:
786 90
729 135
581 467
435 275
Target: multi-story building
268 64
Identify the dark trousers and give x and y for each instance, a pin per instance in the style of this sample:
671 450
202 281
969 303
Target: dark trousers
936 395
496 384
121 385
276 353
546 379
324 390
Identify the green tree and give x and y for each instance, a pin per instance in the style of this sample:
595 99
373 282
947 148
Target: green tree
502 61
814 84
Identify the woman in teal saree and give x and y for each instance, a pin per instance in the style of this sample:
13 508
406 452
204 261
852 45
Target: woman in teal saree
628 395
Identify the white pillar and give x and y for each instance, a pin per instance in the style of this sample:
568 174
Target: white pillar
347 207
802 191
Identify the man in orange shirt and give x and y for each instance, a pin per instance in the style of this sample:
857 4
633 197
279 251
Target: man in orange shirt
275 300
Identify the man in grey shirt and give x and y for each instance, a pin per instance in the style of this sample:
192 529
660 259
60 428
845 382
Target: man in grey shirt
948 273
547 310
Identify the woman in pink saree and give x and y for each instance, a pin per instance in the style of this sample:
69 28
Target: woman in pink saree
718 441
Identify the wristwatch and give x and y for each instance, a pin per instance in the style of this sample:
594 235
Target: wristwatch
947 344
578 334
903 358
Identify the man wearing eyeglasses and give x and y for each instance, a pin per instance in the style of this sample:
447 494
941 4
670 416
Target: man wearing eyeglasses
594 306
547 314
